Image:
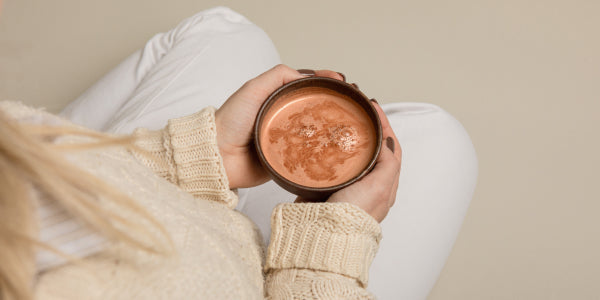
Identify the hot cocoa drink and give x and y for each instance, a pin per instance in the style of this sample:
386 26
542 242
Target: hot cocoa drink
316 137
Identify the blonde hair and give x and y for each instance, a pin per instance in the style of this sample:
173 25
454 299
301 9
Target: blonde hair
29 160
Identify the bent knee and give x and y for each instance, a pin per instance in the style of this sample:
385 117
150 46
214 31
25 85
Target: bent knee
224 23
424 120
430 132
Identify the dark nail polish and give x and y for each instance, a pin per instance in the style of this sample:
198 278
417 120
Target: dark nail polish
343 76
355 85
389 141
306 72
374 100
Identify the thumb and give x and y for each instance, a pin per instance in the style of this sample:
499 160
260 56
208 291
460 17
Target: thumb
266 83
385 170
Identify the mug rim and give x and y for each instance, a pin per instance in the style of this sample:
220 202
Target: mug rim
336 86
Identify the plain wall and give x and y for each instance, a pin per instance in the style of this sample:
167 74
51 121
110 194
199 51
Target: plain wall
523 77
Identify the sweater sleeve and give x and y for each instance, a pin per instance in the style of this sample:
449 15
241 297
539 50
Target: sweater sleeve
185 153
320 251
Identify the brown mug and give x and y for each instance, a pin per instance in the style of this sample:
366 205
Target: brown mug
317 135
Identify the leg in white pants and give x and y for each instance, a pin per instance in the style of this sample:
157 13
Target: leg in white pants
208 56
437 181
200 62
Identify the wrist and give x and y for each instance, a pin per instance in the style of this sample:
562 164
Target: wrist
225 152
191 142
239 160
229 169
317 236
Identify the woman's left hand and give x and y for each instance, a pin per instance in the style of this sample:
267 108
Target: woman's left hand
235 123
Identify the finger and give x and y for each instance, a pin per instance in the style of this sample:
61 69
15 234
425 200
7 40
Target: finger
388 130
385 170
271 80
300 200
266 83
394 190
385 123
330 74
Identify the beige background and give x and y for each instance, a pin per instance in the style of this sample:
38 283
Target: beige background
522 76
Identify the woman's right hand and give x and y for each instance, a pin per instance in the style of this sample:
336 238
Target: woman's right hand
235 120
376 192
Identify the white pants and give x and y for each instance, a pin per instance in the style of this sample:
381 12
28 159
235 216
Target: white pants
210 55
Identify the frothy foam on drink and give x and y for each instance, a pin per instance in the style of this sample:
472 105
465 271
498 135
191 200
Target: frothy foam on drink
318 138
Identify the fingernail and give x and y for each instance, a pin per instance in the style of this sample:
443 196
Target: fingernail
355 85
343 76
373 100
306 72
389 141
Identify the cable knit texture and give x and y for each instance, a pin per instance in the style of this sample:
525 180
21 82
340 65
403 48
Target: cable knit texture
334 237
185 153
317 251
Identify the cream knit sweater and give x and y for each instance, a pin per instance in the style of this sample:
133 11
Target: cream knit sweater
317 251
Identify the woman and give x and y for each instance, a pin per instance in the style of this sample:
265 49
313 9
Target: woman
218 251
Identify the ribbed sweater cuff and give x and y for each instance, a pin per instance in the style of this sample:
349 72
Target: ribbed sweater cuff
189 157
332 237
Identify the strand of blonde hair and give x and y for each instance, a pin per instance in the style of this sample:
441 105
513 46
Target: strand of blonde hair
28 159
